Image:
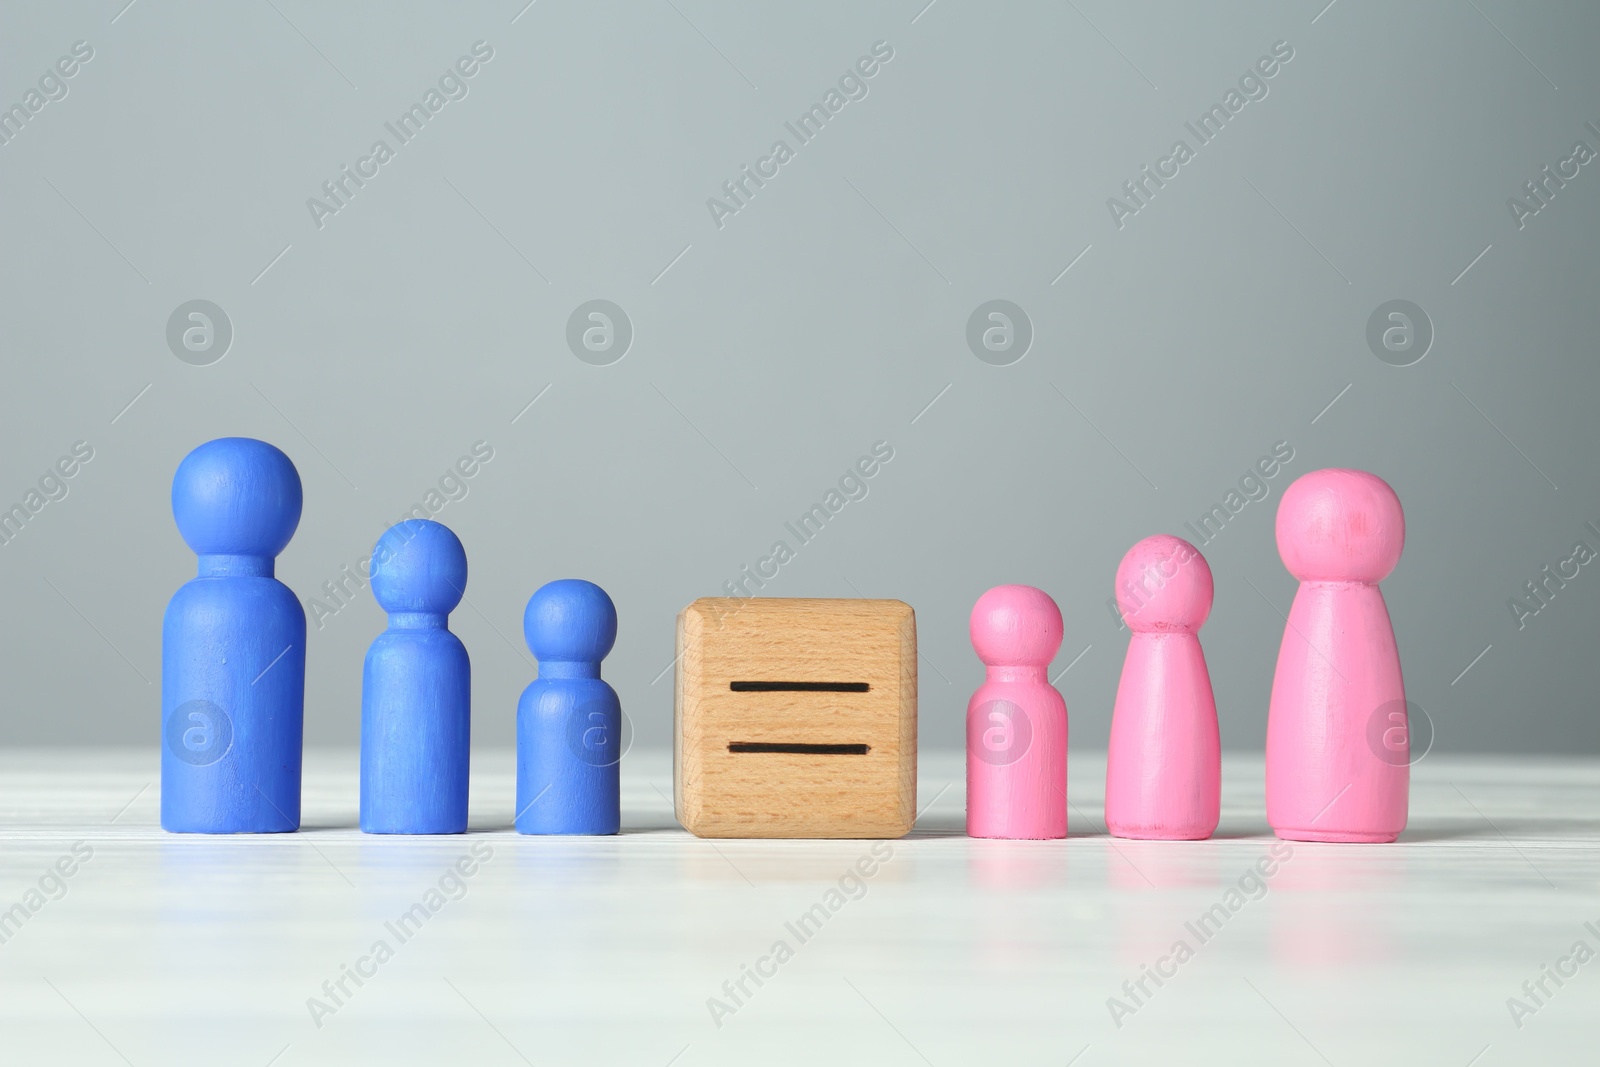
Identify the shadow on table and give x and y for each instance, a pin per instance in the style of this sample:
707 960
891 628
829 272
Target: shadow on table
1522 829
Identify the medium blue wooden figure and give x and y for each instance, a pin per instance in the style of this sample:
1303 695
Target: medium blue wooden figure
233 648
416 690
569 721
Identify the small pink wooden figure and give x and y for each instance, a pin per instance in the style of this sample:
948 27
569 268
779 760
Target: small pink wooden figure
1164 767
1338 681
1016 721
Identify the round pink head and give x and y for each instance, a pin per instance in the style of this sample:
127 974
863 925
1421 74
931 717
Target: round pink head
1164 586
1340 526
1016 626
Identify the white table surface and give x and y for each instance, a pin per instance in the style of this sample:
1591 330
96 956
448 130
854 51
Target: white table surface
165 949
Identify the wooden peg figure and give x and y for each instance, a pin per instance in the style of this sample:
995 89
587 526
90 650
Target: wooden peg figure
569 721
1164 764
1338 683
416 688
1016 721
233 648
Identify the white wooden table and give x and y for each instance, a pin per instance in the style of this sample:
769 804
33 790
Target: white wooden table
161 949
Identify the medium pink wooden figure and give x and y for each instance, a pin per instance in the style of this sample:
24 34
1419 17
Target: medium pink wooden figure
1016 721
1337 769
1164 767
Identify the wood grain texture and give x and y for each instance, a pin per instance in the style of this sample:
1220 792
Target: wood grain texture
720 793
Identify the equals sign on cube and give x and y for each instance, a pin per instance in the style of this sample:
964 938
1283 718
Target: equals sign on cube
796 718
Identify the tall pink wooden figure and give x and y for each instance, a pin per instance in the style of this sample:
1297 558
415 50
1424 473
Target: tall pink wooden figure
1338 683
1016 721
1164 767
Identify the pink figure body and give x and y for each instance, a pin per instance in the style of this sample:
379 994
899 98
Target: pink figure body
1164 767
1338 755
1016 721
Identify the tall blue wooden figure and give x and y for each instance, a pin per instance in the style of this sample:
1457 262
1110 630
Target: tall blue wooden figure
416 690
569 721
233 648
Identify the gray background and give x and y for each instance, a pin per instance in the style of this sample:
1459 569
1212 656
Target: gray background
770 353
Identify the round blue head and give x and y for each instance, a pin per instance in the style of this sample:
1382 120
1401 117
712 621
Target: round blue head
418 565
236 496
570 620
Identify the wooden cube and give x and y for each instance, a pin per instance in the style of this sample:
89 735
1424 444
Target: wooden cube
796 718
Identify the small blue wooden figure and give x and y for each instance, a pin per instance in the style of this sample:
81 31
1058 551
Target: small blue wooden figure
233 648
416 689
569 721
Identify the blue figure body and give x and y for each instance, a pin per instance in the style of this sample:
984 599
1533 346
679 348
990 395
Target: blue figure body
233 648
416 690
569 721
